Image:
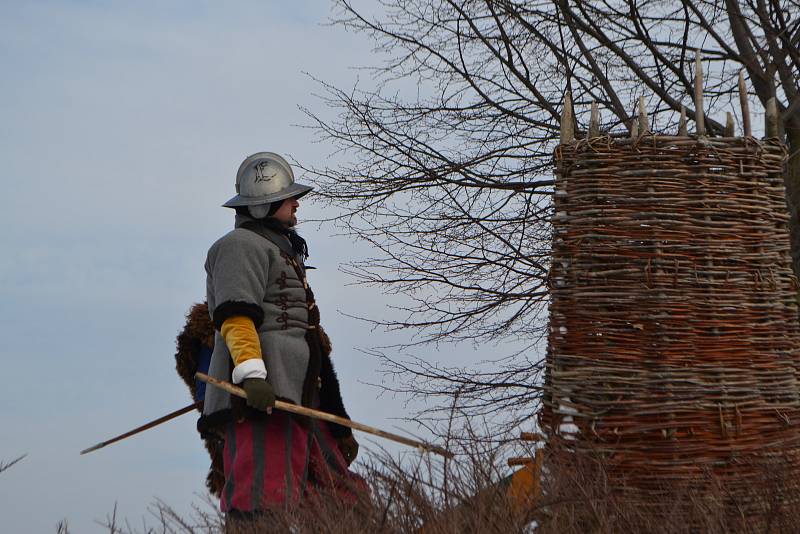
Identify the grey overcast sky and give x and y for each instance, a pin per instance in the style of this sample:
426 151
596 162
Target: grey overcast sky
121 128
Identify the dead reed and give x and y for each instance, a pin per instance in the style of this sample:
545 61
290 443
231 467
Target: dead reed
470 495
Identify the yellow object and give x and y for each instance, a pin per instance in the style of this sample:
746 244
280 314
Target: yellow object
526 483
239 333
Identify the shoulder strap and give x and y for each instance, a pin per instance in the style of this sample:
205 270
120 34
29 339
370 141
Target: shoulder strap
277 240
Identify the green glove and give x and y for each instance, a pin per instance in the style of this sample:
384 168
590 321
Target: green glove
348 446
260 394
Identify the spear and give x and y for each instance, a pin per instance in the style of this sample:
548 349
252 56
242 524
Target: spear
316 414
285 406
146 426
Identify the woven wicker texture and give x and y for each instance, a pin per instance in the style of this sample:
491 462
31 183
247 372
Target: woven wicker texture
674 345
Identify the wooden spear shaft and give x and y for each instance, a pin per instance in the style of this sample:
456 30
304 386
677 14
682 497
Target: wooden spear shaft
316 414
146 426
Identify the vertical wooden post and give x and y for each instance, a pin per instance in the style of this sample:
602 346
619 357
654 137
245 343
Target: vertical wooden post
594 121
729 127
771 118
567 120
644 125
683 131
699 118
748 130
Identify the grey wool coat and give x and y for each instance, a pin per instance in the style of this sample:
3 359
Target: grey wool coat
250 275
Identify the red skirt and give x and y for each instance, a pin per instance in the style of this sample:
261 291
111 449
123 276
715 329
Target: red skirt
275 461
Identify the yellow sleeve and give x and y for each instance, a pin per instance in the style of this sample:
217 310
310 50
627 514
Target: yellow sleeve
239 333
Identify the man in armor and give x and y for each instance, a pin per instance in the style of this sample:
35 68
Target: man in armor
268 339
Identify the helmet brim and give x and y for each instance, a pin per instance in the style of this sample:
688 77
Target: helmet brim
293 191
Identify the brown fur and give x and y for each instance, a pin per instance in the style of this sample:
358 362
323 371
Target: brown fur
325 342
197 332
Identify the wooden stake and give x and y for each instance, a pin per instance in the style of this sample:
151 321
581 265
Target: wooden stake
567 120
316 414
748 131
729 127
771 118
699 118
683 131
634 128
644 124
594 121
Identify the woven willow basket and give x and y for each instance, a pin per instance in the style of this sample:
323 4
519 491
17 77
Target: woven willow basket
674 344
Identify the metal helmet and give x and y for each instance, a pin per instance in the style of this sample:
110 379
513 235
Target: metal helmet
264 178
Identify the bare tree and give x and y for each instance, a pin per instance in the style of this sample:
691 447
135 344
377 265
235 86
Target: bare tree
448 167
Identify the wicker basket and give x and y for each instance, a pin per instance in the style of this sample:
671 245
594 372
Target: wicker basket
674 344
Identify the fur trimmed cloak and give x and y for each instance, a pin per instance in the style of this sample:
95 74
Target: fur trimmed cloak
198 335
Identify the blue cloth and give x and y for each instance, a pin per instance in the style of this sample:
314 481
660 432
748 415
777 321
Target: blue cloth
203 361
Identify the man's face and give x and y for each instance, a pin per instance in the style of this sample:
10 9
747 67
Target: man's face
286 213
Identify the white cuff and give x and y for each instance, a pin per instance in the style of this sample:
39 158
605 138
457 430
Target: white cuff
252 368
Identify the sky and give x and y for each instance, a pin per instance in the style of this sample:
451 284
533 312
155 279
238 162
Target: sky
122 125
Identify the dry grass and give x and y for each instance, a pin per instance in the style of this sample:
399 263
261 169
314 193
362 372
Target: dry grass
580 497
430 497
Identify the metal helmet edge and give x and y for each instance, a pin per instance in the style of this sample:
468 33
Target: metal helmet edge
263 178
